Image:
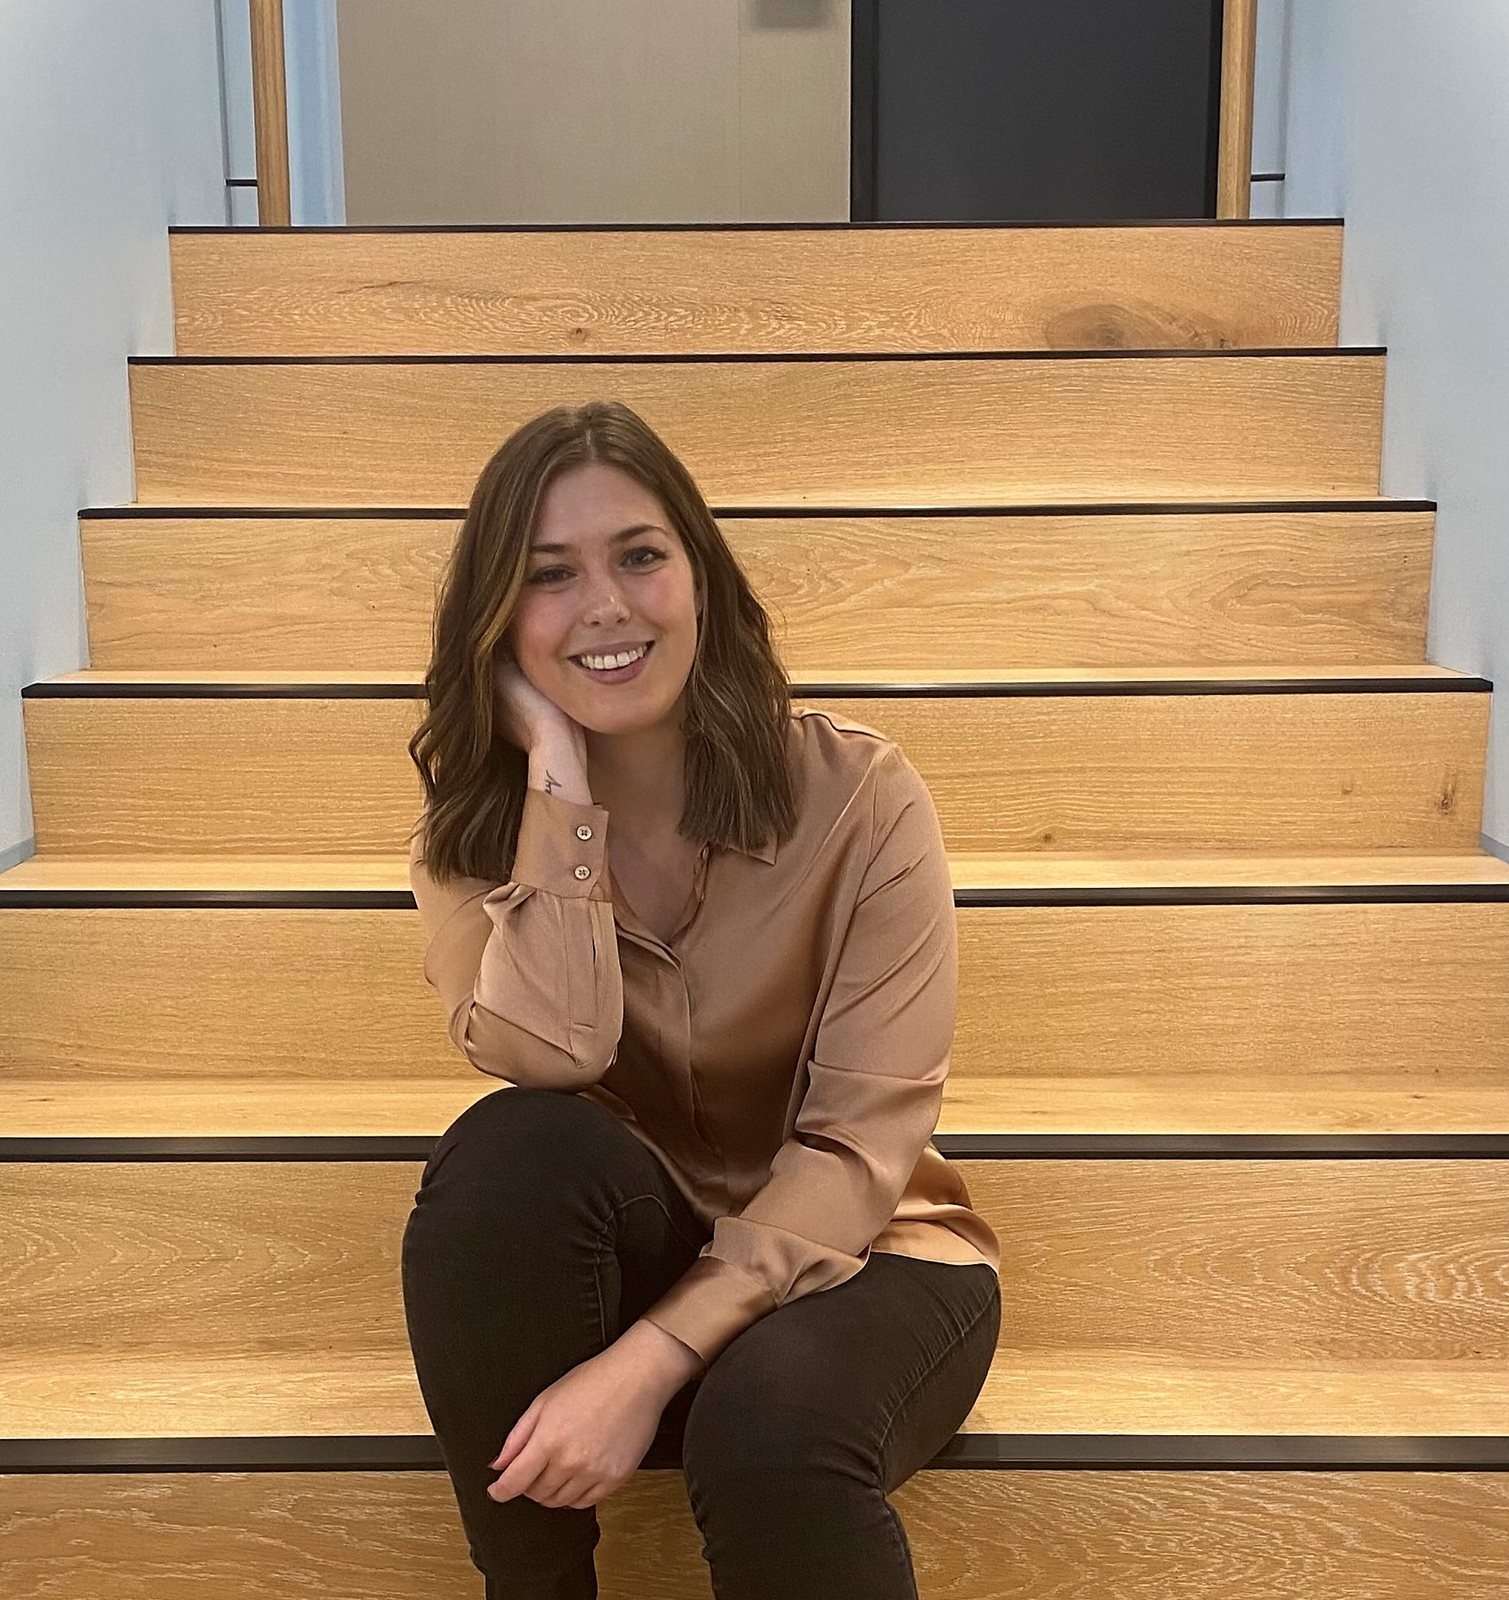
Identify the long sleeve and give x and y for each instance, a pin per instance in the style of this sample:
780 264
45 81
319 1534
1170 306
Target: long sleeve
528 970
875 1089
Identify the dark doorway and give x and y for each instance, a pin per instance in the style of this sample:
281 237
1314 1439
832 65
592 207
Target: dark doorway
1034 110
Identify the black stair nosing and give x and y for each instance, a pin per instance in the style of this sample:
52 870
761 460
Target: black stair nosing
966 1451
897 689
838 226
1279 894
381 1147
57 899
749 357
1052 508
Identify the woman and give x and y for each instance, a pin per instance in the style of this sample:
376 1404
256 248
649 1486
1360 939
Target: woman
709 1210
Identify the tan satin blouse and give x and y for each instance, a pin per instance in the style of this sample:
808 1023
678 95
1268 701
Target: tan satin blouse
783 1054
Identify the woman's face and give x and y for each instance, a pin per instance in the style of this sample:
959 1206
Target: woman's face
598 592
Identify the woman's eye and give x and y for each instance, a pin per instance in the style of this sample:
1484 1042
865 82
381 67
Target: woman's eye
547 574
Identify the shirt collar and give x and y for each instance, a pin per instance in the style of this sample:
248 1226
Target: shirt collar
761 852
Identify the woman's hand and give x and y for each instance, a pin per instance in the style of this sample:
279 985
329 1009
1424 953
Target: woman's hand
583 1437
530 717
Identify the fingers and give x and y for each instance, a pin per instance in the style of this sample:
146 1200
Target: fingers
517 1476
547 1486
519 1435
514 1479
533 1474
572 1491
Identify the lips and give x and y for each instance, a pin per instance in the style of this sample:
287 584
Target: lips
646 644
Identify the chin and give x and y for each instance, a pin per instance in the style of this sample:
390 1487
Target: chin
630 719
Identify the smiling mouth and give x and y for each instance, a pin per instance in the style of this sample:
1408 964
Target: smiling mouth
645 649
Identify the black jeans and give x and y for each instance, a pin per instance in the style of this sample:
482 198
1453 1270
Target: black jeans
542 1229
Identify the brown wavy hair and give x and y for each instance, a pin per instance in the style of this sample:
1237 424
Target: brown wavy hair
739 784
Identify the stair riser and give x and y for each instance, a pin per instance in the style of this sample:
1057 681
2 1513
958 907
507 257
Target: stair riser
883 594
1266 1261
878 432
1350 1535
572 293
1102 996
1080 773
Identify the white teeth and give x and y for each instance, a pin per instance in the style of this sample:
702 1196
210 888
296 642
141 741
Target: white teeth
607 663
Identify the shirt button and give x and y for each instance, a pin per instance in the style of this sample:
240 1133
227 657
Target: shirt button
584 872
584 831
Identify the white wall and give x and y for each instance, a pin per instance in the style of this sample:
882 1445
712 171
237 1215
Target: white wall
110 130
240 125
1270 99
1402 127
316 175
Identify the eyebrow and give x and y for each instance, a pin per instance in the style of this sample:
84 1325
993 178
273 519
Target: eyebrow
617 538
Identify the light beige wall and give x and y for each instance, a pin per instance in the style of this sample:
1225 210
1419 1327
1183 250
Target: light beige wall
595 110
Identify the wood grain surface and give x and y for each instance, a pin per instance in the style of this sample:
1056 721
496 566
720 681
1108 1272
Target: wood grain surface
1122 1018
1077 773
786 291
1051 1534
845 595
782 432
1144 1262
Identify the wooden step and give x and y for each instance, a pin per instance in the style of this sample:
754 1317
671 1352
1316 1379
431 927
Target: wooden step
68 1114
1355 1519
1245 1262
1039 877
942 429
1084 1406
1111 994
986 590
782 290
1145 760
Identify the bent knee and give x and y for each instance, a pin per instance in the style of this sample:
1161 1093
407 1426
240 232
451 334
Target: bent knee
762 1411
519 1132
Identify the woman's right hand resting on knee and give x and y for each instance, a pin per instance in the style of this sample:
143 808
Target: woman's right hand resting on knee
587 1433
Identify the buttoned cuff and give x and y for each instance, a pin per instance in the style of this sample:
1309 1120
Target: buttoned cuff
562 846
710 1305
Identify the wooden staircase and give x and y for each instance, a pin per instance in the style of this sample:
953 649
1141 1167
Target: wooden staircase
1086 518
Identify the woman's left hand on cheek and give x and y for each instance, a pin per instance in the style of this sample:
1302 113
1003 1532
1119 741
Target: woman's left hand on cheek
581 1438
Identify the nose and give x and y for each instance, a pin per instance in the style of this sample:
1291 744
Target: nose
606 602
